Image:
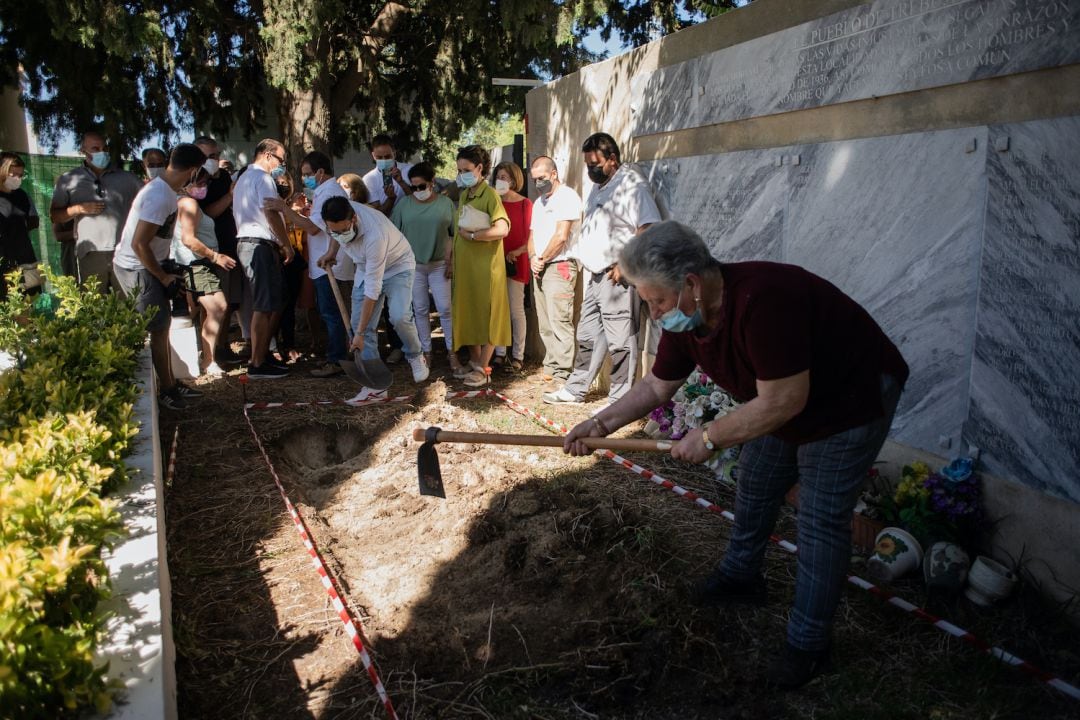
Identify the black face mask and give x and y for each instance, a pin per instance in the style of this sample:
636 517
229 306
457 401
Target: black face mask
597 175
543 185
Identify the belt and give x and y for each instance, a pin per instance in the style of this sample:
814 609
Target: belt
255 240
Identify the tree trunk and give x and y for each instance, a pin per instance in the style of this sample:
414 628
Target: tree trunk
304 116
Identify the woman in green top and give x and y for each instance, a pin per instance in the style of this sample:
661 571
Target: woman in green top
480 307
425 219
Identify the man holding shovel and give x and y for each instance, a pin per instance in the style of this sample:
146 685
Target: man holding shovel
819 382
385 266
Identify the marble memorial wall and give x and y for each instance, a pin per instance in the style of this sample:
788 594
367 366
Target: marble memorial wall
964 243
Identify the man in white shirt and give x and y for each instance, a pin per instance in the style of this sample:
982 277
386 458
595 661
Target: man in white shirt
144 243
385 266
388 180
619 206
556 217
317 175
260 237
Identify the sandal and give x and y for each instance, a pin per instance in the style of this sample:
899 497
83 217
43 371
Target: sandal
477 377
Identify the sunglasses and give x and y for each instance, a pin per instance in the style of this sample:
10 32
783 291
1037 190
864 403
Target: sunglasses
418 188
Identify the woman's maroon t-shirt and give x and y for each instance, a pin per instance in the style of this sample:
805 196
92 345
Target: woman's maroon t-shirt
776 321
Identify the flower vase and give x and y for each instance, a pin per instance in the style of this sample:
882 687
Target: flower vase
989 581
945 567
896 553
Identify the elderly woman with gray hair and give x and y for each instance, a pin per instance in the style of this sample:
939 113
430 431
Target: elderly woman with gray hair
819 382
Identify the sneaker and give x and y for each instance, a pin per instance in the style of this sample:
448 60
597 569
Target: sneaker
172 400
327 369
187 392
561 397
717 589
420 370
214 370
477 377
367 393
266 371
395 356
794 668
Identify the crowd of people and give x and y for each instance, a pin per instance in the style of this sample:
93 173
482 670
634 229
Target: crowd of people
258 246
818 379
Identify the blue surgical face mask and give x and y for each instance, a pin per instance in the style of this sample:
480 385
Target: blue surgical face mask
309 182
100 160
385 165
466 179
277 172
675 320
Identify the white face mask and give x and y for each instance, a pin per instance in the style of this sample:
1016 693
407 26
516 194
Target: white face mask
12 183
422 195
502 187
154 172
344 238
211 166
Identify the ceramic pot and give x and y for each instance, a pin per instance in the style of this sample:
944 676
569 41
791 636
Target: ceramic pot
989 581
946 567
896 553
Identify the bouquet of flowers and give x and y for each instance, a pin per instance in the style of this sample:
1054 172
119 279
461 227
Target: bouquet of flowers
932 506
697 402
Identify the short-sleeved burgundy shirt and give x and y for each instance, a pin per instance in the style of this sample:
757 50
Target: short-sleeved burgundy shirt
776 321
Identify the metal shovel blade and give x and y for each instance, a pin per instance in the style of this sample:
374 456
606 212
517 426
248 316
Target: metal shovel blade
369 373
427 466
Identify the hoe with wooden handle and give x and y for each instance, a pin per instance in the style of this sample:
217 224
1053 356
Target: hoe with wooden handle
427 459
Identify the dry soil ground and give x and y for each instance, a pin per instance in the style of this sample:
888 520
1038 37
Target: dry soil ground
542 587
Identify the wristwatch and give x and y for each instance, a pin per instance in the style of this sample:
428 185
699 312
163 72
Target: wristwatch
705 439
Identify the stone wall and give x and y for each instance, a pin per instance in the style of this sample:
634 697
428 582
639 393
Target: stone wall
920 154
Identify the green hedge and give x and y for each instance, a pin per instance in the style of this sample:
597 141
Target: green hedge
65 425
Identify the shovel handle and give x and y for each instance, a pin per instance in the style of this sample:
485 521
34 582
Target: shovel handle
593 443
341 304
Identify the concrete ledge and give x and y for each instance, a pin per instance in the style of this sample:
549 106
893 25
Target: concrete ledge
139 644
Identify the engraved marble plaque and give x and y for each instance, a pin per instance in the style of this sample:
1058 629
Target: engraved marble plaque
1025 375
873 50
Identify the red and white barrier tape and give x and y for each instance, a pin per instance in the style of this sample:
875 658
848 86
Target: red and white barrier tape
346 403
170 467
887 597
324 576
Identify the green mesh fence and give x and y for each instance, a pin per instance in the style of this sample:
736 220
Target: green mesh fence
41 174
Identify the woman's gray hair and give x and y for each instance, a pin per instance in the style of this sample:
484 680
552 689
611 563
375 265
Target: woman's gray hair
664 255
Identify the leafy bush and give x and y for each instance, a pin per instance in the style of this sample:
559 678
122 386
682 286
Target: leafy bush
65 424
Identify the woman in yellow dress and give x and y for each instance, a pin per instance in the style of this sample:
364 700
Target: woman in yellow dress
480 308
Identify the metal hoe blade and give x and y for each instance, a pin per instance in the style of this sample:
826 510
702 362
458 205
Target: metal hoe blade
427 466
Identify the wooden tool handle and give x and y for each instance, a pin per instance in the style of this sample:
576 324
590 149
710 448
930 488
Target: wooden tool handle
593 443
340 303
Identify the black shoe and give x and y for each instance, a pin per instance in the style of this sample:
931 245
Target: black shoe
171 400
276 361
794 668
225 356
187 392
266 371
718 589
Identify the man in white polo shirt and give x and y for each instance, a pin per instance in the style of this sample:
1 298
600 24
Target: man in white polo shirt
261 243
620 206
317 175
385 267
144 244
556 218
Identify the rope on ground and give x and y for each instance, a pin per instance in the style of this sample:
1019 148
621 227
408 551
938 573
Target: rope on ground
351 626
